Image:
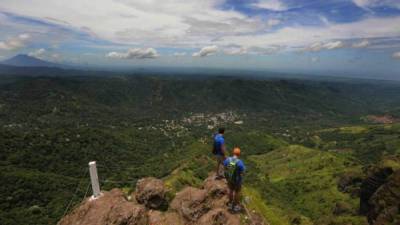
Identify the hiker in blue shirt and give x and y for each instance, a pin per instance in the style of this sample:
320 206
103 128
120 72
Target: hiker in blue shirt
219 151
234 170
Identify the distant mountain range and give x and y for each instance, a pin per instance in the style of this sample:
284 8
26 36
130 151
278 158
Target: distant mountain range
28 61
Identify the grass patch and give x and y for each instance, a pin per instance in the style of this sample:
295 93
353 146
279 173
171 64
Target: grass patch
303 180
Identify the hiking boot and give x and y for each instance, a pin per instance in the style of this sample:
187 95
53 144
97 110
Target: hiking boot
219 177
237 209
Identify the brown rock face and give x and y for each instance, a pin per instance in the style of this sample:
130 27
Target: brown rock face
109 209
168 218
385 203
370 185
191 206
219 217
150 192
190 203
215 188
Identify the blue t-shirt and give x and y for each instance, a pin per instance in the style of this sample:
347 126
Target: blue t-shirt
239 164
218 143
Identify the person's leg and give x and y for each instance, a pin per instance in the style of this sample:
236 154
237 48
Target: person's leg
218 165
231 197
221 167
237 196
236 204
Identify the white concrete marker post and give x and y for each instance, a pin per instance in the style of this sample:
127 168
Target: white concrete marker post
94 179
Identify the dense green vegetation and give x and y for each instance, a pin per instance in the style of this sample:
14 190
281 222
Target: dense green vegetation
136 126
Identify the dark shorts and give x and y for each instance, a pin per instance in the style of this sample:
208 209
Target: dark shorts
235 187
220 158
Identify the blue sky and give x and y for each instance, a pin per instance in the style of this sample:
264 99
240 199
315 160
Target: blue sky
354 37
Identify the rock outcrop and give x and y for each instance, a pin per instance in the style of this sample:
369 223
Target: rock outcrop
191 206
150 192
370 185
110 208
385 202
350 183
190 203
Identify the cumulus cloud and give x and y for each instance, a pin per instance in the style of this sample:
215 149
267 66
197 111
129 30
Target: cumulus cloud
149 23
39 53
396 55
179 54
206 51
273 5
15 43
318 46
135 53
334 45
194 23
361 44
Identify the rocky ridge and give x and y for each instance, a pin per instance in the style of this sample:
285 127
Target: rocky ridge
148 205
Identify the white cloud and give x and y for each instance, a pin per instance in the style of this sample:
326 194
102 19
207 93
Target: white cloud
15 43
297 37
206 51
39 53
147 23
318 46
366 4
235 50
56 56
273 22
191 24
273 5
179 54
252 50
315 59
396 55
333 45
135 53
268 50
361 44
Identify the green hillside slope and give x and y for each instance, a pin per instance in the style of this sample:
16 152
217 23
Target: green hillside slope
137 126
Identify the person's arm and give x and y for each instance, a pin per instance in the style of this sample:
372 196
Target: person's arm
242 168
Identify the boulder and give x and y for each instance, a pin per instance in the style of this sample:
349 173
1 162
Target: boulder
215 188
109 209
168 218
219 217
190 203
151 192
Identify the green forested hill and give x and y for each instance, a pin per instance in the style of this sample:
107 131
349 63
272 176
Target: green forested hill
135 126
